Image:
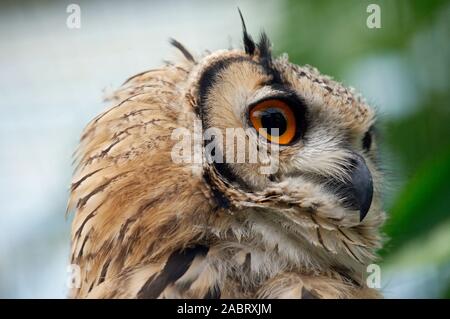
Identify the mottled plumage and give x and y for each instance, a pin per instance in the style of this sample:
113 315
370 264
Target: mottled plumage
147 227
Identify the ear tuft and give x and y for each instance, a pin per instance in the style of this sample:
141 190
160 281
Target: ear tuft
249 44
264 47
183 50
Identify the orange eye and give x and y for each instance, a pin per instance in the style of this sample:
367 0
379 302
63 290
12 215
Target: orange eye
275 120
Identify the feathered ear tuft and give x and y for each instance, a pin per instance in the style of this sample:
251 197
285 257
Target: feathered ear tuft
265 57
264 48
249 44
183 50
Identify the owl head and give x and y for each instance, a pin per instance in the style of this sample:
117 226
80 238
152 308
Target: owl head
316 135
287 171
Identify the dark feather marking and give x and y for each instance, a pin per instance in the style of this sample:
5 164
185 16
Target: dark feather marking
134 237
78 232
88 217
221 200
142 125
132 113
80 253
82 201
225 171
246 267
306 294
177 264
213 293
314 220
106 151
351 252
139 74
98 118
103 272
183 50
343 234
78 183
91 287
344 273
106 246
124 228
179 68
319 234
149 84
184 285
102 153
132 219
117 140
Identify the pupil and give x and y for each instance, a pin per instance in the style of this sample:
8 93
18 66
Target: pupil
273 118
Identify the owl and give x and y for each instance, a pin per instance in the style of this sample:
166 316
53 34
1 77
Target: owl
300 221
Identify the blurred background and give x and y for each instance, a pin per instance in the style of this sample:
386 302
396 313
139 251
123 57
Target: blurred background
53 78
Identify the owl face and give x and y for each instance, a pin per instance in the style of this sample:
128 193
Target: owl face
322 132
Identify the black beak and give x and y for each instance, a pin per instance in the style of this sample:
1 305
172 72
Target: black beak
357 192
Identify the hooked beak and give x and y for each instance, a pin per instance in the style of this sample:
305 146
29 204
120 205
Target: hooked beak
357 192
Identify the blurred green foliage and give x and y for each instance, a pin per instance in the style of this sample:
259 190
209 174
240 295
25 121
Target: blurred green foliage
333 36
422 144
